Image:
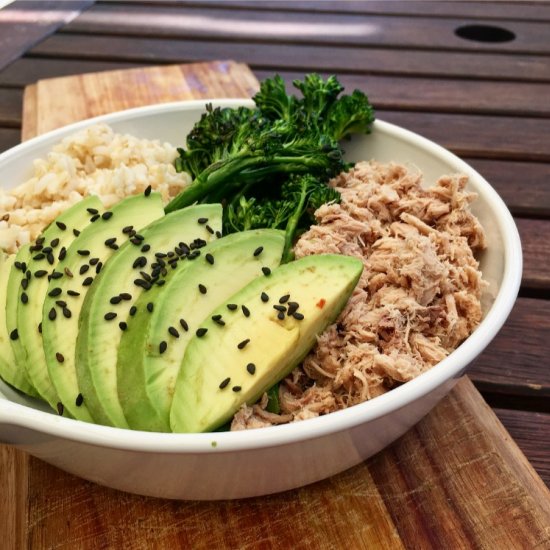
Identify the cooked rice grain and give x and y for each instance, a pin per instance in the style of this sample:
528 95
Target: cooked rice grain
94 161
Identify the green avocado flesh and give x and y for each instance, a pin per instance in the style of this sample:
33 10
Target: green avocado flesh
238 362
58 236
10 370
15 277
152 348
63 302
115 292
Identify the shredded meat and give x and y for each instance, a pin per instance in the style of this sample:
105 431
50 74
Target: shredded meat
418 297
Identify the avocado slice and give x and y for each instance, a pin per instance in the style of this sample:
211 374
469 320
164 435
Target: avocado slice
261 342
17 275
65 296
152 348
10 370
42 264
114 291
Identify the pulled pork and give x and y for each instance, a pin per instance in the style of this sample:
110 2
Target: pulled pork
418 297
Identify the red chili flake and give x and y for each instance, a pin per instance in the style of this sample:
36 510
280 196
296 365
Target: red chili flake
321 303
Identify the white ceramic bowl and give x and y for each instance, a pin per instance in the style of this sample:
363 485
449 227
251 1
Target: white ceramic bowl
258 462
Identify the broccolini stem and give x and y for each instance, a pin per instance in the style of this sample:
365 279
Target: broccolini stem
291 225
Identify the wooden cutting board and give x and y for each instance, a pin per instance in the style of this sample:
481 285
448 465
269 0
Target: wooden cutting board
456 480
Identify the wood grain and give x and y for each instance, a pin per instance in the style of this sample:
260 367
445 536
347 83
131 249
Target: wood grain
11 102
9 137
536 253
304 27
302 57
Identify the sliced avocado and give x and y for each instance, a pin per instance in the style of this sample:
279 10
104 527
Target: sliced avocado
18 275
10 371
47 251
262 341
167 242
83 261
152 348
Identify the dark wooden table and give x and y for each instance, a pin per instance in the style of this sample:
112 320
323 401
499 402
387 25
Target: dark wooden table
486 97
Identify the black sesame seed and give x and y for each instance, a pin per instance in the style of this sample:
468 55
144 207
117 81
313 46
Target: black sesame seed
38 257
24 283
281 315
115 300
209 229
146 248
60 409
298 316
174 332
216 317
40 327
184 325
93 261
220 322
251 368
135 241
24 298
279 307
56 275
79 400
193 255
83 252
106 215
67 312
110 242
147 191
18 265
95 218
209 258
68 272
133 310
232 307
139 237
266 271
14 335
50 258
201 332
52 314
40 273
76 232
122 325
40 240
160 255
145 276
162 347
236 389
98 267
264 297
83 269
284 299
224 383
61 226
59 357
140 261
54 292
143 284
35 248
28 274
47 249
61 303
73 293
54 243
109 316
62 254
292 307
202 289
125 296
258 251
150 307
87 281
202 221
243 344
219 234
127 229
93 211
246 311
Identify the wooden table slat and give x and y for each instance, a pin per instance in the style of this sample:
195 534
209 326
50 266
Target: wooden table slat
535 241
517 11
304 58
373 30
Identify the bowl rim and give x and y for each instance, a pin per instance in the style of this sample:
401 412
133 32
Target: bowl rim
451 367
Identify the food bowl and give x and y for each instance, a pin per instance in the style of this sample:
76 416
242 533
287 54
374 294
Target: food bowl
249 463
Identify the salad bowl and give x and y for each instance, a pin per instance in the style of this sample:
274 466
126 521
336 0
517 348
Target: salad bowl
226 465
